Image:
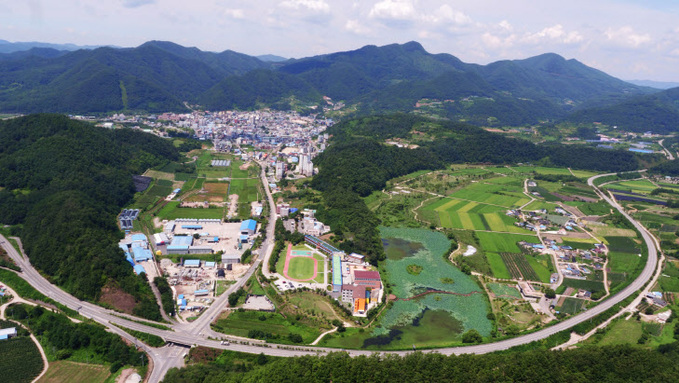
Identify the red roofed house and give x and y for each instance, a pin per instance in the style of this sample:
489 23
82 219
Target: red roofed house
368 279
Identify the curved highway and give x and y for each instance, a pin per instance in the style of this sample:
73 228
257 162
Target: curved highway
197 332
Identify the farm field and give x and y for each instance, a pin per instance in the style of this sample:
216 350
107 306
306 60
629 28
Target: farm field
20 359
209 191
518 267
624 262
505 196
636 186
72 372
173 211
571 306
501 242
497 266
470 215
592 286
248 191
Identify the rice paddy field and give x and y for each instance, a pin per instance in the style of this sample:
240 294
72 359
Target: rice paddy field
502 195
470 215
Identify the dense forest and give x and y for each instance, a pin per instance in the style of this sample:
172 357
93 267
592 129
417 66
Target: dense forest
587 364
65 181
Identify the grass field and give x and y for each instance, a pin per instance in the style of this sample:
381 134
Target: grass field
301 268
622 332
311 302
240 323
669 279
504 291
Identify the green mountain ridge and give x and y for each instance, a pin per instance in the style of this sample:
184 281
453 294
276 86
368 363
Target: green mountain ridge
160 76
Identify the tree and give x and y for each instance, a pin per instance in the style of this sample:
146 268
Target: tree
295 338
472 336
550 293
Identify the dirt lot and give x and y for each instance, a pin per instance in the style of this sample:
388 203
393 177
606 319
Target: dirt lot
118 299
211 192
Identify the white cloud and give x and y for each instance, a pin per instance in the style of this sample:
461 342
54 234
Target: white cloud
446 14
317 6
234 13
394 10
555 33
354 26
627 36
494 42
136 3
504 24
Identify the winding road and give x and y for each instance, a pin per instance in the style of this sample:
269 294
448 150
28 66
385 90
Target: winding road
199 333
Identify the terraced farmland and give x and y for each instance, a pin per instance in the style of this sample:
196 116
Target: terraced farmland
470 215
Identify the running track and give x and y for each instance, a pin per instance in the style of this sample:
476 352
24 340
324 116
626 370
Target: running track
288 257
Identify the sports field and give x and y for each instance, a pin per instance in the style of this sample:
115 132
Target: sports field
302 268
303 265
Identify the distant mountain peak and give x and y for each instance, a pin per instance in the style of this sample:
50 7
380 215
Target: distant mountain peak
413 46
271 58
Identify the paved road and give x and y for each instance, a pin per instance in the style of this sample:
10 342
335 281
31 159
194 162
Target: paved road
195 333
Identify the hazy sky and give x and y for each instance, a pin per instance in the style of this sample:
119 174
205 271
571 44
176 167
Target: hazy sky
628 39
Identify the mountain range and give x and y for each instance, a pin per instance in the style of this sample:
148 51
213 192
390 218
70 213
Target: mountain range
162 76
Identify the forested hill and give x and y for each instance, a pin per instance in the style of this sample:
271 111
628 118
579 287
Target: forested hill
658 112
586 364
66 181
359 162
160 76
